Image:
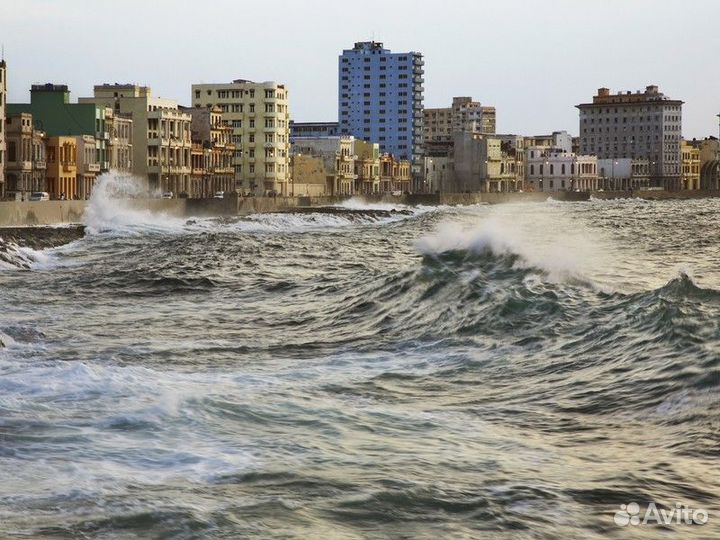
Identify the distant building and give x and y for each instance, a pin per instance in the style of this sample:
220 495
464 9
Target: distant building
120 151
709 152
640 125
3 101
622 174
367 166
258 113
160 134
464 115
552 169
25 157
485 163
313 129
309 176
690 166
87 164
62 167
380 99
209 130
557 139
338 161
395 174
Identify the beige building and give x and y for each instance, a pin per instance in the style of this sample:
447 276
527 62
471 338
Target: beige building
309 176
260 118
213 135
62 167
88 167
161 139
464 115
120 147
367 166
25 157
3 100
552 169
395 174
690 156
338 158
485 163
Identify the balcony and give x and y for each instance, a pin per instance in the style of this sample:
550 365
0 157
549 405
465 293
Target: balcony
92 167
418 61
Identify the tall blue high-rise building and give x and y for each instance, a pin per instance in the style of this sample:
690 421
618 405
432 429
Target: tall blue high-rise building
380 98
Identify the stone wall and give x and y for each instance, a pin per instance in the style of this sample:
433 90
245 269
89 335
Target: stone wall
17 213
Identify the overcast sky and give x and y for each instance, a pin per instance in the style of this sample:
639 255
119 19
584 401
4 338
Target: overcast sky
532 60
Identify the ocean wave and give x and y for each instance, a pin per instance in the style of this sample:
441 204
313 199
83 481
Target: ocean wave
14 257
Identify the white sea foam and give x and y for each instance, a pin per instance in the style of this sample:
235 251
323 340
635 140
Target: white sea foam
116 206
359 203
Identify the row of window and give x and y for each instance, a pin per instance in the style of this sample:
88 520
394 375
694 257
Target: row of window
238 94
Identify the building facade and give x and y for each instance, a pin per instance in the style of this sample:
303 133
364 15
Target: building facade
25 157
464 115
690 166
338 159
380 99
640 125
87 165
550 169
313 129
120 151
160 135
484 163
3 100
209 130
367 166
62 167
259 115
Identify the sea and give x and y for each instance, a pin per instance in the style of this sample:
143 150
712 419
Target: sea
516 371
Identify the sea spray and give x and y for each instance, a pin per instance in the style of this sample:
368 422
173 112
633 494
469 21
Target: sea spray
119 204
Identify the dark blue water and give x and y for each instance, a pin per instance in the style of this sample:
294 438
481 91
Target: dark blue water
516 371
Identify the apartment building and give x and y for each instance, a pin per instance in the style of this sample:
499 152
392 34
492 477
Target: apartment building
640 125
690 155
259 115
485 163
62 167
213 135
3 100
312 129
552 169
120 148
380 99
24 157
338 159
160 135
463 115
367 166
88 167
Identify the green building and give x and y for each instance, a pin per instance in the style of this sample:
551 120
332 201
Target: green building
54 114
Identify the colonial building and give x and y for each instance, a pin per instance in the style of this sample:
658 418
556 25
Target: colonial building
160 134
212 133
87 164
481 164
62 167
640 125
690 166
260 118
551 169
3 100
622 174
120 148
367 166
464 115
380 98
25 157
395 174
338 160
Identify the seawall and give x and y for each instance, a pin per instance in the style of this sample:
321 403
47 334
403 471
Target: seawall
23 214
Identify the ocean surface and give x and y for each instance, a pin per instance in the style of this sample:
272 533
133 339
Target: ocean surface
510 371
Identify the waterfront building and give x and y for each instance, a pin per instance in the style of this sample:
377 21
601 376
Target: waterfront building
214 136
640 125
439 177
309 176
259 115
312 129
551 169
120 150
87 165
54 114
338 160
690 165
3 100
160 134
464 115
395 174
622 174
709 153
482 162
62 167
380 99
24 157
367 166
557 139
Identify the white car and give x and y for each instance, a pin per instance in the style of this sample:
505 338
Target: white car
39 196
219 195
167 195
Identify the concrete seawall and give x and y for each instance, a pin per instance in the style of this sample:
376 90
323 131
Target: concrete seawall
21 214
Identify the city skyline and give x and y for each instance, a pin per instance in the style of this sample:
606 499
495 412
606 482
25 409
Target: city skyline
467 57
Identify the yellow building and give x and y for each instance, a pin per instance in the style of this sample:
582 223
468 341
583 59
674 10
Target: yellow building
690 165
62 167
394 174
309 176
259 116
367 166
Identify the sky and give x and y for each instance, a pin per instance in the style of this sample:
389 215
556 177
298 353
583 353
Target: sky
532 60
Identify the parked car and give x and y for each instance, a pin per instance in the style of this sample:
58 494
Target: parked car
219 195
167 195
39 196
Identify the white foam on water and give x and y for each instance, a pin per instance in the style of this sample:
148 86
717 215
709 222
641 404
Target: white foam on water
359 203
